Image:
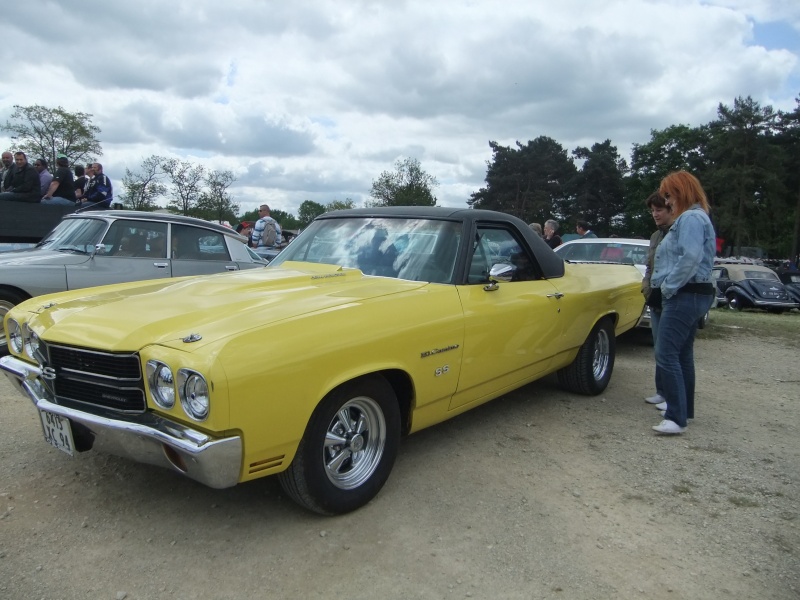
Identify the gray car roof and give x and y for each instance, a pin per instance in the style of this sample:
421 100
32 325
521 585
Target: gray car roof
138 215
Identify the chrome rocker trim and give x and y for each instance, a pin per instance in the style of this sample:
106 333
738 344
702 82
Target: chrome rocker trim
145 438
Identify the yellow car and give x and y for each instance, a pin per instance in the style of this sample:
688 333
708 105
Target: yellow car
372 324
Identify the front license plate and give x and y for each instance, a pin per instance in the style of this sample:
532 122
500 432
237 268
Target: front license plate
57 432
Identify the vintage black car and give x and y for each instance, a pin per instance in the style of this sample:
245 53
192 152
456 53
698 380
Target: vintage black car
791 281
752 286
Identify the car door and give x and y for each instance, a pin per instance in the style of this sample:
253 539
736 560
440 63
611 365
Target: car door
511 329
198 251
128 252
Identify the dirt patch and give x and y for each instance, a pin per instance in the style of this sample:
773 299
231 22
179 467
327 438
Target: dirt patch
540 494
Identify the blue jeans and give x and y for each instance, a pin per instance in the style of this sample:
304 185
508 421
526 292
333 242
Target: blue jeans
655 317
60 201
675 352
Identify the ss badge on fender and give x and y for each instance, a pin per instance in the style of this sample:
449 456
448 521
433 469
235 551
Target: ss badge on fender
442 370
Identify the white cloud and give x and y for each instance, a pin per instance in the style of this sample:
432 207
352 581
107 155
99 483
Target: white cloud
314 99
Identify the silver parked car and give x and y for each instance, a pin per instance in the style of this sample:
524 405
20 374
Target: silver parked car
114 246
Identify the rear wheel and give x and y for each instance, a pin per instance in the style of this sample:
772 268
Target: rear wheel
348 448
591 370
734 302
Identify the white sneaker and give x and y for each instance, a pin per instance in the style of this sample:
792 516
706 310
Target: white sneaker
668 427
661 405
658 398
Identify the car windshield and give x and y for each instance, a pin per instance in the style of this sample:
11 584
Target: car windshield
75 235
415 249
614 252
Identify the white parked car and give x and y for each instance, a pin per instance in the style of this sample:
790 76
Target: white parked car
613 250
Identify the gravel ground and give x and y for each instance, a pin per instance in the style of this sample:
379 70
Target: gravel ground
540 494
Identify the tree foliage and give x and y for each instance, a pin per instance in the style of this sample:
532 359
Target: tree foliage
340 205
407 185
214 202
600 187
43 132
186 184
533 181
141 188
309 211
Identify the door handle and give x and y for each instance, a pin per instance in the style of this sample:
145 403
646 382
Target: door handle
161 265
556 295
231 268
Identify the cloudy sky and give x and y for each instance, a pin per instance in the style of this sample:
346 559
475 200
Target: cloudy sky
313 99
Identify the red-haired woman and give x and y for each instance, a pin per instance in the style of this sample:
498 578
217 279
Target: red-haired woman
682 273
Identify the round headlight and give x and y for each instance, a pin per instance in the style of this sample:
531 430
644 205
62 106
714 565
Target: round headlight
162 383
194 394
15 338
33 345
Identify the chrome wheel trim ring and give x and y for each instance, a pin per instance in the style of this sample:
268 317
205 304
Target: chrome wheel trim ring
5 306
354 443
602 355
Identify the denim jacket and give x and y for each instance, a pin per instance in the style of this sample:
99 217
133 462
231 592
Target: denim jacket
686 255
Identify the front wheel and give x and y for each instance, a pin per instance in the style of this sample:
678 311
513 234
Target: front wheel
8 300
348 449
591 370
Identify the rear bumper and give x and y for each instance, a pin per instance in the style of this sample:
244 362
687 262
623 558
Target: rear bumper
145 438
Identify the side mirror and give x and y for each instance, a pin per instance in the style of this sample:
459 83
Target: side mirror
501 272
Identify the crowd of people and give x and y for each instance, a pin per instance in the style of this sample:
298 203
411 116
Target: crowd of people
82 187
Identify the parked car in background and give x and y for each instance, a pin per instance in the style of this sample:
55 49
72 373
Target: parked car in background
752 286
791 281
372 324
615 250
101 247
609 250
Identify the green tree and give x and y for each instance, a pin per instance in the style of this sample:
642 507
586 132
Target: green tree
214 202
143 186
407 185
532 181
678 147
308 212
43 132
600 187
744 175
789 141
186 185
345 204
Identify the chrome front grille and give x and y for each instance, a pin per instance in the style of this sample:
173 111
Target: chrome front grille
104 379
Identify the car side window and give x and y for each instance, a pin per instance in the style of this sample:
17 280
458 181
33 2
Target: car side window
495 245
194 243
134 239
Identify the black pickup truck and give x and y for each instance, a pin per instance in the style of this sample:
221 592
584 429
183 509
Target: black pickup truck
23 222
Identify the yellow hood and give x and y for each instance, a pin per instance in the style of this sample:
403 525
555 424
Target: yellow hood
126 317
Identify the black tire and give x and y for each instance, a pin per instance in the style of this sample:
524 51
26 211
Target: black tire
8 300
361 423
704 320
734 301
591 370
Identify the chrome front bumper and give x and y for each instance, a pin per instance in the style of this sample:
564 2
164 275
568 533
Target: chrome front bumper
145 438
